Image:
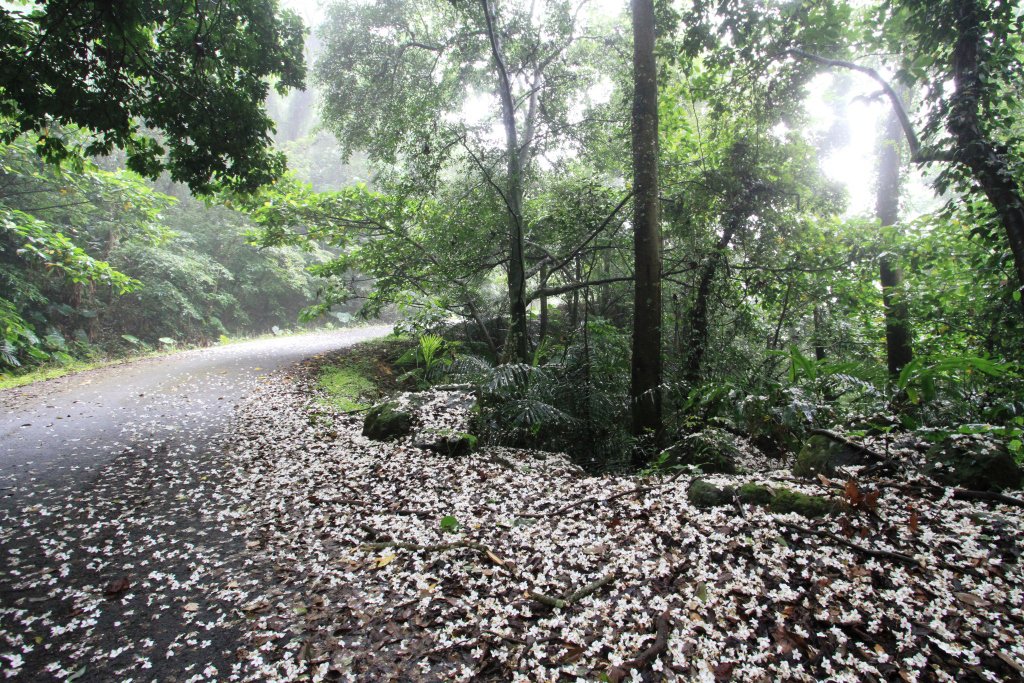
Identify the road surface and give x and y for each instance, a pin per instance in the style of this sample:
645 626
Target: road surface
115 561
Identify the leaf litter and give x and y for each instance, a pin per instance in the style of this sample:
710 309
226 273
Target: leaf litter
336 567
552 575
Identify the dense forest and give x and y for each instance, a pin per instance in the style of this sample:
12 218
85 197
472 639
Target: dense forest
709 351
629 218
639 238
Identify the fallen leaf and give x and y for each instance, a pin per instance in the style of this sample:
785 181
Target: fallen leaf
495 559
914 521
972 600
852 493
723 671
384 560
192 607
117 587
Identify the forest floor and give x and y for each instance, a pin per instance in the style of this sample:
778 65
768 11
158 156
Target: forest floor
301 550
400 564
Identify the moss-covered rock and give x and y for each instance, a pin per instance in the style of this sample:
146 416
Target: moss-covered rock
822 455
714 451
785 500
386 422
703 494
972 462
755 494
446 442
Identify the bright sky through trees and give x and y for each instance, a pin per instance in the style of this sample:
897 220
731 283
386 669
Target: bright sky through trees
851 163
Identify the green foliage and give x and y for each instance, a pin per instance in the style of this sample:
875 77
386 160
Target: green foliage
449 524
572 400
120 70
432 356
99 259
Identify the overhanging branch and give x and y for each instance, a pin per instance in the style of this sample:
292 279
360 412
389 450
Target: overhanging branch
917 154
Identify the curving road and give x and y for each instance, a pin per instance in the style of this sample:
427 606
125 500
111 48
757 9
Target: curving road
113 564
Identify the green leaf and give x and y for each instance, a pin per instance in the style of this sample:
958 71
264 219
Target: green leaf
449 524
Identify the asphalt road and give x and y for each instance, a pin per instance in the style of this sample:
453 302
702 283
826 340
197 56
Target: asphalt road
115 563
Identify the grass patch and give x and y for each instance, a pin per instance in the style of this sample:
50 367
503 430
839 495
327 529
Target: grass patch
10 380
348 387
355 378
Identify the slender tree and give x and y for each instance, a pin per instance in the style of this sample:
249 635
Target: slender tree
646 363
897 325
516 343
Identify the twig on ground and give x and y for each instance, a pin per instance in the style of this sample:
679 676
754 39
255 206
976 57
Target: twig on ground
902 558
592 500
958 493
561 603
663 626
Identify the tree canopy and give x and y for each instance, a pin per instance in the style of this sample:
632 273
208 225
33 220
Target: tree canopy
177 85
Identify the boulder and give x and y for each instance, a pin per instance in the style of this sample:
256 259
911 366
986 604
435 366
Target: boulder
713 450
386 422
706 495
973 462
822 455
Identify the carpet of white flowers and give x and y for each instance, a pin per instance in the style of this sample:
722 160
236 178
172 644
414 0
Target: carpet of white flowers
395 563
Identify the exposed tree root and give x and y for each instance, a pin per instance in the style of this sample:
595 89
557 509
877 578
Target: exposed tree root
663 626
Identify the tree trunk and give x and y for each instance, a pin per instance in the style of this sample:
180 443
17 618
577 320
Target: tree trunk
645 387
819 322
543 307
515 342
698 318
986 162
887 207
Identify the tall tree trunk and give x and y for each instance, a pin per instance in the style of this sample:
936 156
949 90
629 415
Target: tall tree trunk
887 208
987 163
516 342
645 387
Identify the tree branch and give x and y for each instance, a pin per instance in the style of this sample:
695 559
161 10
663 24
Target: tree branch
597 231
916 153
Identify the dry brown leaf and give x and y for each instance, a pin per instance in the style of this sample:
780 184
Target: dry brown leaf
852 492
972 600
117 587
495 559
